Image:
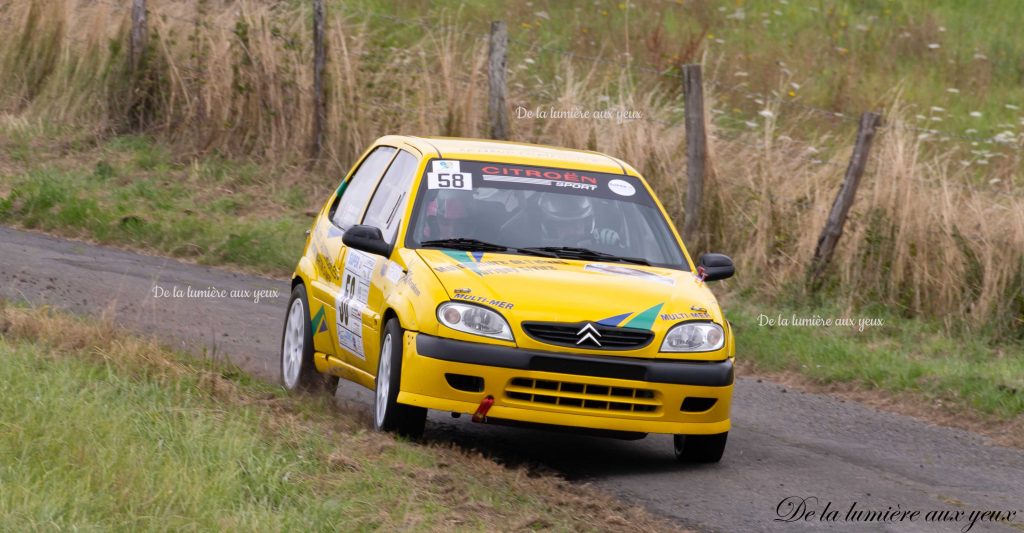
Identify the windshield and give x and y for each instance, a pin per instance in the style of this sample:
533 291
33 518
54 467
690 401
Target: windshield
541 211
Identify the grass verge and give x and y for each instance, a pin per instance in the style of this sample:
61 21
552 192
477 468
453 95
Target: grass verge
129 191
908 365
101 430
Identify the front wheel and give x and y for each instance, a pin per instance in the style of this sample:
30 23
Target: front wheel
700 448
388 414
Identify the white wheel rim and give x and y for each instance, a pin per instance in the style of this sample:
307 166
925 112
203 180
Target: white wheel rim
383 381
294 338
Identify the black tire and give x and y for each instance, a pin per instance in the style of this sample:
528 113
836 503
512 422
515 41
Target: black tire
388 414
298 372
700 448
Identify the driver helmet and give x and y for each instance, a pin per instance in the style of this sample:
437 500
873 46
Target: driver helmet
448 211
565 218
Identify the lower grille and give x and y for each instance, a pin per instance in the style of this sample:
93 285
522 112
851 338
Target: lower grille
583 395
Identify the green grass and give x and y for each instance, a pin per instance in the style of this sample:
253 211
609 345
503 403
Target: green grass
843 55
903 355
100 431
955 66
131 192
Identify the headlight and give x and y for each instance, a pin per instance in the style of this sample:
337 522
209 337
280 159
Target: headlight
474 319
694 337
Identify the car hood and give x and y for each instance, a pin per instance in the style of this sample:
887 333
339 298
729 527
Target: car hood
530 288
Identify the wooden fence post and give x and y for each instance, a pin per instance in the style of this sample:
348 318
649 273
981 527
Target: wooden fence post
841 207
319 102
497 112
696 151
137 41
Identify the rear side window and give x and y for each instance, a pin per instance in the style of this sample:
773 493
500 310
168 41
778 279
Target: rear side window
355 193
388 204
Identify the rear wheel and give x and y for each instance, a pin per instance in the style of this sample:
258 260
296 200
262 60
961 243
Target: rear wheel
700 448
298 372
388 414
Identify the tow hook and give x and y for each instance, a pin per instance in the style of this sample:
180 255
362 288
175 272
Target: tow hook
481 412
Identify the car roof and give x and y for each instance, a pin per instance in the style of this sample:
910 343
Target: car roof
512 152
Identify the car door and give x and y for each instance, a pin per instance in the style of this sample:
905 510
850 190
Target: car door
367 278
329 252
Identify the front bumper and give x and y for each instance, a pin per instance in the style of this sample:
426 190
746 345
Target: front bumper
597 392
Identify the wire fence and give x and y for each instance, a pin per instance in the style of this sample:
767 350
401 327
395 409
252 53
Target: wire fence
555 51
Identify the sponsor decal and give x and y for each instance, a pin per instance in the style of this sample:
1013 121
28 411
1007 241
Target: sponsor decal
622 187
641 320
614 321
483 300
318 323
391 271
684 316
407 281
325 268
644 319
334 231
474 261
351 300
628 271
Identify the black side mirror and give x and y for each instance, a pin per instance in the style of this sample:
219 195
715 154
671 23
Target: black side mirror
715 266
367 239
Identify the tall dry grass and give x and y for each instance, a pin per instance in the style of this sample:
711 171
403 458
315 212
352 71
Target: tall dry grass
236 77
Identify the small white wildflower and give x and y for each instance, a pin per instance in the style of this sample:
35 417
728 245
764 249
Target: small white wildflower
766 113
981 162
1005 137
795 86
965 162
920 117
994 181
739 14
751 124
975 114
970 131
528 61
1011 106
937 109
953 90
719 40
543 14
936 119
777 13
758 101
740 74
942 29
934 46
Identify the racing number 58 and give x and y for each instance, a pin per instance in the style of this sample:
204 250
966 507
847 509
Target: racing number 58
453 181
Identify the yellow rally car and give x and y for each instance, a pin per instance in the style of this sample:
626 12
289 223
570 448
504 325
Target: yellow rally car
516 283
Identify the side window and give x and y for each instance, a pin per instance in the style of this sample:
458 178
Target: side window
358 190
389 202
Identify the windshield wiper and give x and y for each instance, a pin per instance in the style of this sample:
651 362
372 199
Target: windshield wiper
581 253
465 244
